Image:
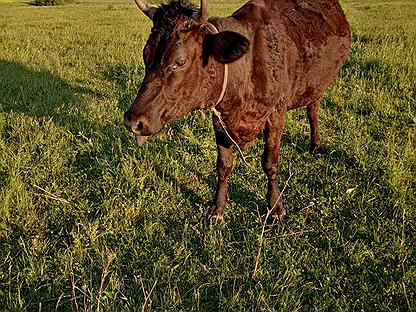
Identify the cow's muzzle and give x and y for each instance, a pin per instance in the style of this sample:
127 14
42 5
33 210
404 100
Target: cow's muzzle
140 126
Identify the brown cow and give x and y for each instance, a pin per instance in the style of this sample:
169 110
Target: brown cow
269 57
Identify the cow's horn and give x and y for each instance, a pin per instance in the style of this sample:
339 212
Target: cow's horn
146 8
204 10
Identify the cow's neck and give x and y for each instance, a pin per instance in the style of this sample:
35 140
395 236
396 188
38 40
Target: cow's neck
231 79
233 100
213 28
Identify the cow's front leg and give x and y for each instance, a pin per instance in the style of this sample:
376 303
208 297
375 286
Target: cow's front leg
270 162
225 165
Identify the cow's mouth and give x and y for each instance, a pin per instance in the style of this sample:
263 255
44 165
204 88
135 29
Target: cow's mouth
143 131
142 139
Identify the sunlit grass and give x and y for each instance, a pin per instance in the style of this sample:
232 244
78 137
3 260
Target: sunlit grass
90 221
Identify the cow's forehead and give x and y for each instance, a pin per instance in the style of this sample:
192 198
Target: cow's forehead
169 21
167 27
172 14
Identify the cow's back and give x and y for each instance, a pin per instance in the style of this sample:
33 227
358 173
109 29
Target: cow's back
298 49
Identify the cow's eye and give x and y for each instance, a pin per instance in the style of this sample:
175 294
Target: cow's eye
180 61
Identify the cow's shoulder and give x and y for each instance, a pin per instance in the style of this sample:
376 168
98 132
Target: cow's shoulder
254 13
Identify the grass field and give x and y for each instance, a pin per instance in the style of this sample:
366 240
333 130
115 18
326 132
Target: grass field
91 222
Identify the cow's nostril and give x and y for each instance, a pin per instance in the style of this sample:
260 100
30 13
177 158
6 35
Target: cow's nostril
140 126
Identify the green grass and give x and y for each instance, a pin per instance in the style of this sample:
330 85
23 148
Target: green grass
89 221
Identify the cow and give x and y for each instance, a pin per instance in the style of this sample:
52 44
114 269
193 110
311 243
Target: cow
251 68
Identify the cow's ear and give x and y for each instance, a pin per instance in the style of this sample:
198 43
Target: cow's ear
226 47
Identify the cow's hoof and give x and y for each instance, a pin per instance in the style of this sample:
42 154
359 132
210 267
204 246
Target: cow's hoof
214 216
319 150
279 214
275 211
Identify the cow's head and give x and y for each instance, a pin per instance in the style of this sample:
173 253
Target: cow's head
182 57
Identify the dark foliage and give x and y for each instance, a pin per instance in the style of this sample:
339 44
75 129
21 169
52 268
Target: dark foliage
48 2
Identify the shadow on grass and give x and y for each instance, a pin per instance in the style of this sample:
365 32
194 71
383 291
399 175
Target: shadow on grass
238 193
41 94
127 79
48 3
335 155
191 196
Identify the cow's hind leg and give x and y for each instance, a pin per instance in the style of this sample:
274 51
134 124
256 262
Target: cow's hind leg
225 165
313 116
270 162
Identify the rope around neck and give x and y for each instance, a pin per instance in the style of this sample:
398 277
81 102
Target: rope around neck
214 110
